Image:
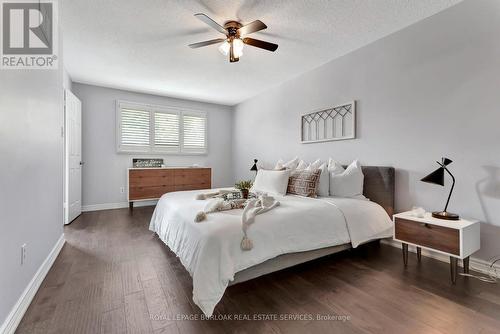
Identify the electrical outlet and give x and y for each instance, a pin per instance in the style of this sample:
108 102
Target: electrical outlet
122 190
23 254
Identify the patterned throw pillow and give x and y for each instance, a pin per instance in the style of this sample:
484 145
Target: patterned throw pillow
304 183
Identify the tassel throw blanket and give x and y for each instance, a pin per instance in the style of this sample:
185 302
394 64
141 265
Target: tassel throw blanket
251 208
215 194
219 204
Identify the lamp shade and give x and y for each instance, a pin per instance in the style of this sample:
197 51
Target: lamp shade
254 167
446 161
436 177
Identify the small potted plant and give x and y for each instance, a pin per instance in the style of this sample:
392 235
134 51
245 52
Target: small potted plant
244 187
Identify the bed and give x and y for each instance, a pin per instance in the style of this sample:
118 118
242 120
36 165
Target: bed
299 230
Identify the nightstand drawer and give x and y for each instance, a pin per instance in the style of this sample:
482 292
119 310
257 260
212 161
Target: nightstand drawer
432 236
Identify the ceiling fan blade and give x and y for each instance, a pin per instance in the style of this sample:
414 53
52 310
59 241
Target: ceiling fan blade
205 43
211 23
260 44
254 26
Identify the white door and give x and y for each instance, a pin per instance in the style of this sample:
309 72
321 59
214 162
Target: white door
73 109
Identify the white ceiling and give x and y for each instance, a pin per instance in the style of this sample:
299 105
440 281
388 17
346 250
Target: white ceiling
142 45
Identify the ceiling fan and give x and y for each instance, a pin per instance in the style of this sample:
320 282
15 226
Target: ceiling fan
232 45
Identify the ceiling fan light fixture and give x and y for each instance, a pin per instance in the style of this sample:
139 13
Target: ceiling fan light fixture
238 47
233 44
224 48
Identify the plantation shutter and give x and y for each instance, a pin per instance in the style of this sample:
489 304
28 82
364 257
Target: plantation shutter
167 130
194 130
134 131
159 129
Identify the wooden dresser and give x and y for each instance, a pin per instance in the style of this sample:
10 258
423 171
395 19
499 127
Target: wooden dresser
152 183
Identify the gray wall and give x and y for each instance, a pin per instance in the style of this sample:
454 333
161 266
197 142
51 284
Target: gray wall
427 91
105 170
67 83
31 175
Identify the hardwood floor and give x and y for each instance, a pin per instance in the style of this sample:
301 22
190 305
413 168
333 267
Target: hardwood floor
115 276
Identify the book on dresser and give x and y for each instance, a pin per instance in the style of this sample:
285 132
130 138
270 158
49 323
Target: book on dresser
151 183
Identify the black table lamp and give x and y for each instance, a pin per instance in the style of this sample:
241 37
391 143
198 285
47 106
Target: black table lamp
254 167
437 177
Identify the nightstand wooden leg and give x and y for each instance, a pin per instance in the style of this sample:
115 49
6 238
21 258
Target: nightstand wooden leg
466 265
131 206
405 254
453 269
419 254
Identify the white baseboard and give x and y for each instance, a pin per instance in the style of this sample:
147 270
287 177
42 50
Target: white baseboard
476 264
109 206
16 314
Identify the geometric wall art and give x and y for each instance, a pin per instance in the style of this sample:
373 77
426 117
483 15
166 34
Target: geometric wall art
336 123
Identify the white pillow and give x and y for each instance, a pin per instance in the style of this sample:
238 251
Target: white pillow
273 182
349 183
314 165
279 164
323 185
302 165
334 167
324 181
292 164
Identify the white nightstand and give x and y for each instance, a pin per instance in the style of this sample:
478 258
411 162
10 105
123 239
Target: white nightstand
458 239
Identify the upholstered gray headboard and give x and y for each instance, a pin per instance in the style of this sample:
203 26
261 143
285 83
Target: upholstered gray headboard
379 186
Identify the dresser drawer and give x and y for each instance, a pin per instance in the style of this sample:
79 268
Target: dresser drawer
198 186
142 173
152 192
432 236
192 177
148 181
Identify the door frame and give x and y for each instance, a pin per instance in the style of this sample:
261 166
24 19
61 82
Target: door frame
66 160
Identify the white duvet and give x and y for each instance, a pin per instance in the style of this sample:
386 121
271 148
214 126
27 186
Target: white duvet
211 252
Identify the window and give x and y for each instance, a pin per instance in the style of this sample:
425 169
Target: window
167 131
135 128
194 127
155 129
